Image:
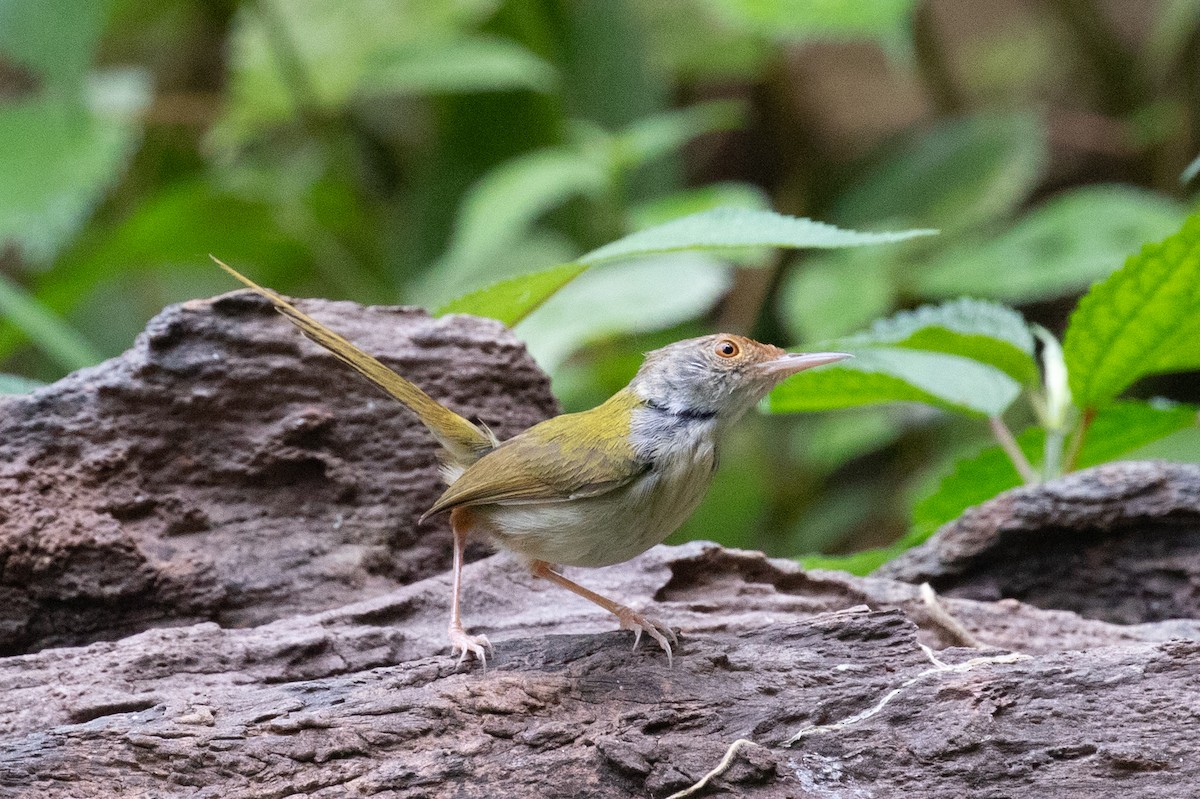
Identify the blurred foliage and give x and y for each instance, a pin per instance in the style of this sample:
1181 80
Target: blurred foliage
436 151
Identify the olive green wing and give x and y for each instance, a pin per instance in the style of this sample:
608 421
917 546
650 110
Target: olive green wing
567 457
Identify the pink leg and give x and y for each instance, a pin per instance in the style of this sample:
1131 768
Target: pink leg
459 639
629 619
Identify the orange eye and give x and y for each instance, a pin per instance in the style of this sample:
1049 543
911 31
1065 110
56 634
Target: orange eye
727 348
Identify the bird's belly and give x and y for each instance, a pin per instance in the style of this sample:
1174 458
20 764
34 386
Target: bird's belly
609 528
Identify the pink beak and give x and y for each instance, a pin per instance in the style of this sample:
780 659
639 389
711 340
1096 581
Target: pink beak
792 362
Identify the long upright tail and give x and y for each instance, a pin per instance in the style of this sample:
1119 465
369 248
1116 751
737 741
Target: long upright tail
465 442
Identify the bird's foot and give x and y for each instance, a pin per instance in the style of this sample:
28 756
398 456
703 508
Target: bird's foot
461 641
656 629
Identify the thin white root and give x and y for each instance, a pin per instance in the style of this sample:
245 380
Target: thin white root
944 619
721 768
939 667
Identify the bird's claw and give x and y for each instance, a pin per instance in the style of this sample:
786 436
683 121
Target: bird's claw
461 641
656 629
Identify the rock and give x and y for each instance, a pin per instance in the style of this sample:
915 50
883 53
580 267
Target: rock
1119 542
227 469
226 518
365 700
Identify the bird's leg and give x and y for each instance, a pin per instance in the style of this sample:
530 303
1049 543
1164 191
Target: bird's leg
460 522
629 618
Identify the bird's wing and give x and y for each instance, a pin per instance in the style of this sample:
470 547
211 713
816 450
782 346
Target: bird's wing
567 457
465 442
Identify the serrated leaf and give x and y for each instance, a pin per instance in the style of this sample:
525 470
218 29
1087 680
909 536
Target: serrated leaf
1057 248
456 66
1144 319
720 230
16 384
732 228
650 293
1118 429
44 328
512 300
961 174
893 374
983 331
730 194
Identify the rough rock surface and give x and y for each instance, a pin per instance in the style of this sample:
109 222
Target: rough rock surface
224 474
364 700
225 468
1119 542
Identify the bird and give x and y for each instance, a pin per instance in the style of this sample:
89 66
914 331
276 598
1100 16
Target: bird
592 488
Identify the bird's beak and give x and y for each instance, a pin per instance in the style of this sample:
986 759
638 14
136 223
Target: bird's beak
791 362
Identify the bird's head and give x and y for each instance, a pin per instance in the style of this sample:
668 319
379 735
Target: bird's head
720 376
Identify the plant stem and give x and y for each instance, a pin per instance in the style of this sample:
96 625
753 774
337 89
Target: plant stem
1013 450
1052 454
1077 438
292 70
933 65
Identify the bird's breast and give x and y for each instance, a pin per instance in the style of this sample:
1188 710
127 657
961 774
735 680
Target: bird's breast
620 524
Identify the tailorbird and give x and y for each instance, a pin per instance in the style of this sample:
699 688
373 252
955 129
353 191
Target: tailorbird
592 488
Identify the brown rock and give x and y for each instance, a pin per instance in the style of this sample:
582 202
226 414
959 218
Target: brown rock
227 469
364 700
1119 542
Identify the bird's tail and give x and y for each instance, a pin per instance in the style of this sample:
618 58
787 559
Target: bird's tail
464 441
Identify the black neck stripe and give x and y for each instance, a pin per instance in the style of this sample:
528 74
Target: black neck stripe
685 413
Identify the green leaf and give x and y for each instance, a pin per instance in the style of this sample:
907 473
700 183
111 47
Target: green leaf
963 173
65 135
971 482
661 134
801 20
1122 427
512 300
458 66
731 228
1117 430
721 230
500 209
893 374
58 160
697 47
831 294
647 294
324 50
16 384
1144 319
983 331
835 439
681 203
1057 248
1182 446
860 563
54 39
51 335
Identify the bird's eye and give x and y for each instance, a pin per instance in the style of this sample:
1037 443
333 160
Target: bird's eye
728 349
